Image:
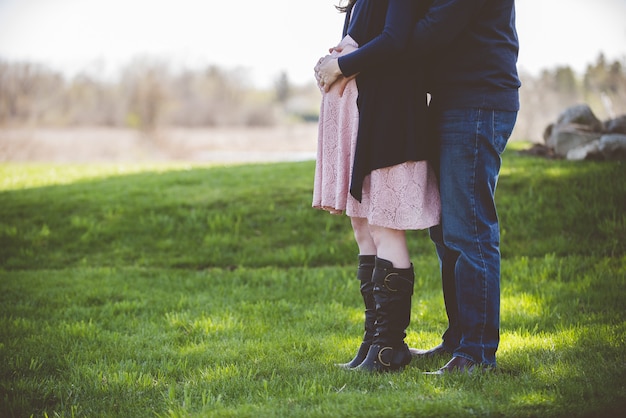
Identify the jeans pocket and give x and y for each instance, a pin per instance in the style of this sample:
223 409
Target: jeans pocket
503 124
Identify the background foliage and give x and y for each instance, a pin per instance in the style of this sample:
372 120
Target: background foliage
149 94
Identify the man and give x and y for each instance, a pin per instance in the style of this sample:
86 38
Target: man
471 47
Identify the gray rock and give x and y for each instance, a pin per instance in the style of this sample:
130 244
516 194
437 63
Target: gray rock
585 152
616 126
580 115
579 135
613 146
565 138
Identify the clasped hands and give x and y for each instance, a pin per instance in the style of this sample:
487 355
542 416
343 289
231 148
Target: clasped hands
327 71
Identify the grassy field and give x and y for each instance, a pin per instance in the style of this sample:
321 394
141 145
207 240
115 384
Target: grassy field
177 290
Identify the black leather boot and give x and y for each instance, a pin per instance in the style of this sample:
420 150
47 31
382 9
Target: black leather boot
364 274
393 289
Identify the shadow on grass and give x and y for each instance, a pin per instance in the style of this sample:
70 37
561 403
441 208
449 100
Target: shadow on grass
260 215
561 207
204 217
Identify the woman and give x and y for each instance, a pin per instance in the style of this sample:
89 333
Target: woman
373 163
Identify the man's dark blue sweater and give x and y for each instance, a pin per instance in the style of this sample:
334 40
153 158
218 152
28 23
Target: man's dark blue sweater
471 48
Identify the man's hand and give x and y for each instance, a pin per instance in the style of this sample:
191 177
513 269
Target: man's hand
343 82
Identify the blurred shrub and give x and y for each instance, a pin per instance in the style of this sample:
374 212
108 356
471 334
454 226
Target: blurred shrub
148 94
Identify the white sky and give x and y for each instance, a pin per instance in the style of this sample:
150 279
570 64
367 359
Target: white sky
265 37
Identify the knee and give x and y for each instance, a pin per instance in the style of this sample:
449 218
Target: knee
361 229
382 235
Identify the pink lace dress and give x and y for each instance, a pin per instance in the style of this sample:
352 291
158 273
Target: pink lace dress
404 196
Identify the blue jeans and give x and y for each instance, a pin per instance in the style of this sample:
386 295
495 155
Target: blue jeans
468 239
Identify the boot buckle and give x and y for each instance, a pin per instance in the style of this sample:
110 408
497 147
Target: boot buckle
387 282
380 359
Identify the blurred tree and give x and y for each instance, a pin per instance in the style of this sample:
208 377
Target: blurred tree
565 84
283 88
148 95
209 97
89 101
145 82
605 86
25 92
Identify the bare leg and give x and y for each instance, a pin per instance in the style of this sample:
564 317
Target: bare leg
391 245
363 237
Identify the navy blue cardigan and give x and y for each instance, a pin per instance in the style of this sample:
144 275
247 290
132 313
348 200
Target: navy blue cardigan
472 48
392 102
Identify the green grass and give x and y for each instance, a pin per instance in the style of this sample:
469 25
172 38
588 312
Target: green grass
192 291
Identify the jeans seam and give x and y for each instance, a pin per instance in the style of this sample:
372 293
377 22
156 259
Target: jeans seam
483 318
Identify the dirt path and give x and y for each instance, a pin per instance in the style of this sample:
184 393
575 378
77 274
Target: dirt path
229 145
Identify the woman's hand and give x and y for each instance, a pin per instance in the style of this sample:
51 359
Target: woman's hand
327 70
320 84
